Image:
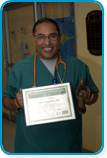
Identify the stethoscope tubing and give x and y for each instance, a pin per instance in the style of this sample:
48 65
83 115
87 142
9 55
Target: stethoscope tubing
59 61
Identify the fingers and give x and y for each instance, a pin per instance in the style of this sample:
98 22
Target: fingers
92 99
81 85
81 82
84 96
88 94
19 98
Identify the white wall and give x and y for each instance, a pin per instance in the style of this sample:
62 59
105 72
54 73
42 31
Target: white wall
92 118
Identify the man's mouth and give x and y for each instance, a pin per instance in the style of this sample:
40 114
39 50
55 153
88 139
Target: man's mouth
47 49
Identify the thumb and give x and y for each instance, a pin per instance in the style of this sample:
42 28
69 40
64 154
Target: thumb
19 98
81 85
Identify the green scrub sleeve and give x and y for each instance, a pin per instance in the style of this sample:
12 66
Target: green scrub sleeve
11 87
90 82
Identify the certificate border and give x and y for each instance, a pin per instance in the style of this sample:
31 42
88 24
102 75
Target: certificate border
48 88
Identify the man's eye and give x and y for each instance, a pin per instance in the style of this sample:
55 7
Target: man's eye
54 35
40 36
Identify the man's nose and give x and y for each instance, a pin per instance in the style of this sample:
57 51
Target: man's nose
47 40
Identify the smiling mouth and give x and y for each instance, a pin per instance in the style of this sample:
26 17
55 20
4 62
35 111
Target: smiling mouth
47 49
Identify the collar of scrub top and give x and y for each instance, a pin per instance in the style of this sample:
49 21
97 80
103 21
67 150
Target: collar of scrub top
59 61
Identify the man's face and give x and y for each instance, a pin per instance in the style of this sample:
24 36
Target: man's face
47 40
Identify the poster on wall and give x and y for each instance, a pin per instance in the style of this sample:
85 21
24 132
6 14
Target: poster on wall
68 43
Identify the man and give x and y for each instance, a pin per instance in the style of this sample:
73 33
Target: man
43 69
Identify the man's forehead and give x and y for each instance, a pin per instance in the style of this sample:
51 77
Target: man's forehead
45 27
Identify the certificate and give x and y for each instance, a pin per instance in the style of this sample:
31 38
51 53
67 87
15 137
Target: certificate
48 104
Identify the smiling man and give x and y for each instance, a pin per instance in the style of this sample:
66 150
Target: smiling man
47 39
47 67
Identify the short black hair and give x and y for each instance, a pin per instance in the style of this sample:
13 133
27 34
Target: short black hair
47 20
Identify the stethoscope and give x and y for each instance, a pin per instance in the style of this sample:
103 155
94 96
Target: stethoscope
59 61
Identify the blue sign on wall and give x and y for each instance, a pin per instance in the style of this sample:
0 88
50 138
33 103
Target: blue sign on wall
67 27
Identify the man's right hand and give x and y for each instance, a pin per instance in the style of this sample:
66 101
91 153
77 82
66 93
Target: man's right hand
13 104
19 98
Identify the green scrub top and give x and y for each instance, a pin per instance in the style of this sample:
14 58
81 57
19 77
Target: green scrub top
59 137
